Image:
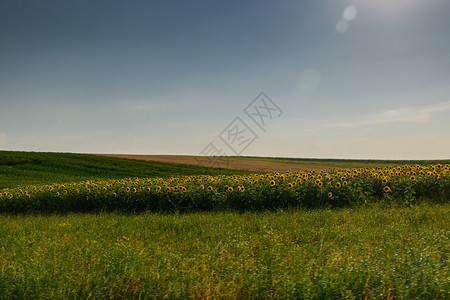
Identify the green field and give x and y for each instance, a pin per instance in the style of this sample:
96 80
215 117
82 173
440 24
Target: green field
39 168
392 247
343 163
347 253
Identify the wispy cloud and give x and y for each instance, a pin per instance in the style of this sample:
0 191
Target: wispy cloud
407 114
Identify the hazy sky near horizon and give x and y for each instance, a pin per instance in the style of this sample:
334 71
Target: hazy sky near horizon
350 79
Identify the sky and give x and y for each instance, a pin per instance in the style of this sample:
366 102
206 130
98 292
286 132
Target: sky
360 79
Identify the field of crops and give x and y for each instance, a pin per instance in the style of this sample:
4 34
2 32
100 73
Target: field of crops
79 226
404 185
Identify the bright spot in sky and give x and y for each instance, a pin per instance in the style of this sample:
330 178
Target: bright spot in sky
349 13
310 80
342 26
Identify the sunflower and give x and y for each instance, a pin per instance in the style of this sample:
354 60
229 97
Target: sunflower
412 178
330 195
210 188
134 190
384 181
230 189
272 182
289 185
202 186
387 189
338 184
242 188
344 183
158 188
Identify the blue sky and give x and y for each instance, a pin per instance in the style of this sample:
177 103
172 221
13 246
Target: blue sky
352 79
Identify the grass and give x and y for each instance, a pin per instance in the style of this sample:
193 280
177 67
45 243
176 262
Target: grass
40 168
374 252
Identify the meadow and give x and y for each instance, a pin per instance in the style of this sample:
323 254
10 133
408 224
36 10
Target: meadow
86 227
363 253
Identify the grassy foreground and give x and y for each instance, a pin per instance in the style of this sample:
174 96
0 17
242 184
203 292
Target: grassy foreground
372 252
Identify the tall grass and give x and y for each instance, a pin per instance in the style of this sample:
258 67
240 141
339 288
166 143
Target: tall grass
371 252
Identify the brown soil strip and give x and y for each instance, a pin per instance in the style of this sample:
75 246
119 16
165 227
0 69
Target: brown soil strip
230 163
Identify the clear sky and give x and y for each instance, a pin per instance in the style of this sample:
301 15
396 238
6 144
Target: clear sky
350 79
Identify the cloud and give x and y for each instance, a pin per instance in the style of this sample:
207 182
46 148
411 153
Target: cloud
407 114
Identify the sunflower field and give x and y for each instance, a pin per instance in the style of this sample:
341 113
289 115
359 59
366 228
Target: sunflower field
404 185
